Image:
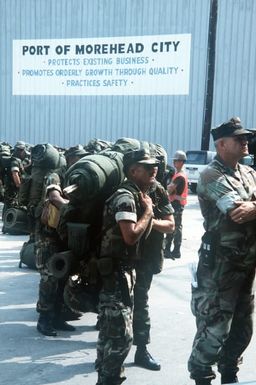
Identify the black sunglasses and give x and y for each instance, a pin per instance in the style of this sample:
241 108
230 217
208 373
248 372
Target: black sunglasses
149 166
241 138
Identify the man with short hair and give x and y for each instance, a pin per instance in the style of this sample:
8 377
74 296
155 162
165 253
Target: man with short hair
178 192
222 300
128 219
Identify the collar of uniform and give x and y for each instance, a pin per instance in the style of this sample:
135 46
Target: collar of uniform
241 169
225 169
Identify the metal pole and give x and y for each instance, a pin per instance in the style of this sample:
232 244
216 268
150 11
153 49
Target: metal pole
210 72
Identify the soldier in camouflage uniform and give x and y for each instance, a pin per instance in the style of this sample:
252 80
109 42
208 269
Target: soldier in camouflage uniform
150 263
223 301
127 220
50 304
50 301
13 175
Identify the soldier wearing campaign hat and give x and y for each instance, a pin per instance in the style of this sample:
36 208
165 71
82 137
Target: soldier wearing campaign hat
127 220
222 299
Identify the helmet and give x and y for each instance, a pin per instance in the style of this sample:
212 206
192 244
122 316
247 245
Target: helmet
180 155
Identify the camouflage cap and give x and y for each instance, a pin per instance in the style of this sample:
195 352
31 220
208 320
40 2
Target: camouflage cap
139 156
76 151
20 145
229 129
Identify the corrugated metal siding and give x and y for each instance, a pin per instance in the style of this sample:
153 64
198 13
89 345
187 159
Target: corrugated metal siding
235 75
173 121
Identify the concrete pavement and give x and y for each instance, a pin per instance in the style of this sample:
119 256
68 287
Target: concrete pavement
27 357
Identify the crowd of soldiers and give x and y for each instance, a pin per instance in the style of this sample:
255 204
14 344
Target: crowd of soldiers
131 310
117 241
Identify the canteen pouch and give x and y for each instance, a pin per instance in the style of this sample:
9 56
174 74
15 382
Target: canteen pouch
208 249
50 215
105 266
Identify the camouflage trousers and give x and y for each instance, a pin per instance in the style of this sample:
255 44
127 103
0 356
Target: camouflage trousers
115 335
10 198
176 236
141 319
223 306
51 289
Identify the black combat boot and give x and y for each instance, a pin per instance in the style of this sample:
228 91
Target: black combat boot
144 359
112 381
176 252
60 324
167 248
203 381
203 378
168 254
69 315
45 326
229 378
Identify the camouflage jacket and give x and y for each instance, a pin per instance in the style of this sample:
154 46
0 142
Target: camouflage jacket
153 246
123 204
218 188
15 164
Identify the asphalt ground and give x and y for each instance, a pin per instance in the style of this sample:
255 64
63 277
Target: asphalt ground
27 357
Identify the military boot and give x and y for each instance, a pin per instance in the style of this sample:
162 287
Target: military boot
45 326
229 378
69 315
112 381
176 252
60 324
203 381
144 359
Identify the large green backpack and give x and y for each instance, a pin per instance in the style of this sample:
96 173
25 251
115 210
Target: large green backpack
94 146
45 156
45 159
5 149
124 145
5 158
89 182
95 177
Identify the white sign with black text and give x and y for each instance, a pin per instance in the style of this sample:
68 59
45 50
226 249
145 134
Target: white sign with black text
135 65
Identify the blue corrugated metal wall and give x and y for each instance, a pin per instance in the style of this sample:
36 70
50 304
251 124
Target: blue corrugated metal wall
173 121
235 70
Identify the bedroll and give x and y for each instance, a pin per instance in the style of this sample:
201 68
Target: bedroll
95 176
45 156
15 221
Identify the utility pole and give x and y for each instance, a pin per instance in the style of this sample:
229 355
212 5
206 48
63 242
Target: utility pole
210 72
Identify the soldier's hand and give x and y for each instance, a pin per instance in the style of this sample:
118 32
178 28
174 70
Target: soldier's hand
244 212
146 202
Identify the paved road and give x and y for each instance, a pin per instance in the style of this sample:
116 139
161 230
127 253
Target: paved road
26 357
